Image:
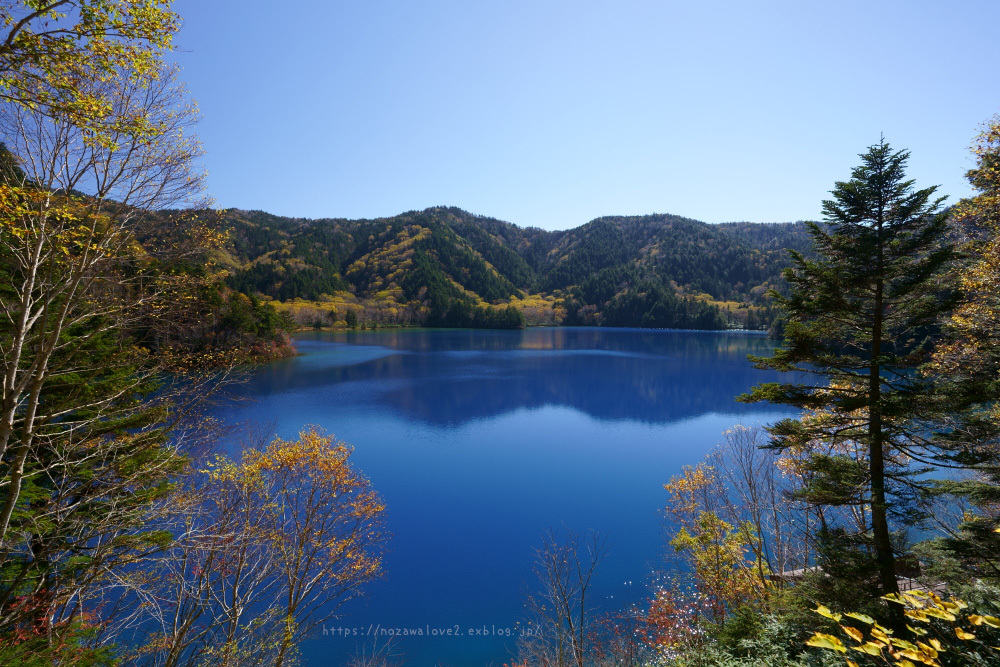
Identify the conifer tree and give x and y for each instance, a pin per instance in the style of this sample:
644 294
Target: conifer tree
860 321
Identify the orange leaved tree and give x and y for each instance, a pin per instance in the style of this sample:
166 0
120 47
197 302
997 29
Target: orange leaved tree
271 547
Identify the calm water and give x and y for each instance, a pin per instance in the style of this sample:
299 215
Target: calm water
481 440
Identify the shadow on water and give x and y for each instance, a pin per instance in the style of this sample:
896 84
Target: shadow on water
453 377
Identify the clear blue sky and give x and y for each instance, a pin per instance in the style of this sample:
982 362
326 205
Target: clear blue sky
553 113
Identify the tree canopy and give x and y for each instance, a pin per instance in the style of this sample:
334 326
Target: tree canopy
859 317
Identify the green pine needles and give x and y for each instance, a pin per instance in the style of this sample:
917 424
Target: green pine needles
861 319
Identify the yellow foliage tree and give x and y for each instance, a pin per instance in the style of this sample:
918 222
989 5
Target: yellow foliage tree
968 364
271 546
726 574
977 319
95 136
56 57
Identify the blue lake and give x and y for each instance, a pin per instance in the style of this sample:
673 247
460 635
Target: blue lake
480 441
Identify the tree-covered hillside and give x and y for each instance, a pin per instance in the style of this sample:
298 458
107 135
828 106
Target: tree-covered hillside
439 265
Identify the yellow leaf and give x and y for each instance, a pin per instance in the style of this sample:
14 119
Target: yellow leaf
950 605
903 644
938 613
879 634
871 648
820 640
853 633
823 610
962 634
864 618
927 650
991 621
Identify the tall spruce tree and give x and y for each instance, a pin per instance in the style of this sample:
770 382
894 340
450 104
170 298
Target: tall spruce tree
860 319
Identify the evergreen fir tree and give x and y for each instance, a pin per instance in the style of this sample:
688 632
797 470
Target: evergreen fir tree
860 320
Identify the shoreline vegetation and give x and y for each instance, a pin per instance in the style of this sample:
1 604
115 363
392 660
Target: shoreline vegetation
342 328
331 313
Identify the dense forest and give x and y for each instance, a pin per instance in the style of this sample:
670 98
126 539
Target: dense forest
660 271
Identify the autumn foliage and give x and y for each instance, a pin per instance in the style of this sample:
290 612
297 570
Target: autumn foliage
734 524
269 547
940 632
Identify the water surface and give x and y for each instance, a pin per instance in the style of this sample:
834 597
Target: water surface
482 440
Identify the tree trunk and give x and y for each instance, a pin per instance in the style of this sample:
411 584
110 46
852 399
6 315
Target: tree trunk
876 461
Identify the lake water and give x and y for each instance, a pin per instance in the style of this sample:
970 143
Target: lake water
480 441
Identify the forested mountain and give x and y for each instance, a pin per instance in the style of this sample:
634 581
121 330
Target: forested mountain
444 266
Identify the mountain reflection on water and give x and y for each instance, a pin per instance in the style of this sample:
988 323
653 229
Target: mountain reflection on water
479 441
453 376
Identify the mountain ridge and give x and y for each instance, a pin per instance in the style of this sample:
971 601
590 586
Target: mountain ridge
438 265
